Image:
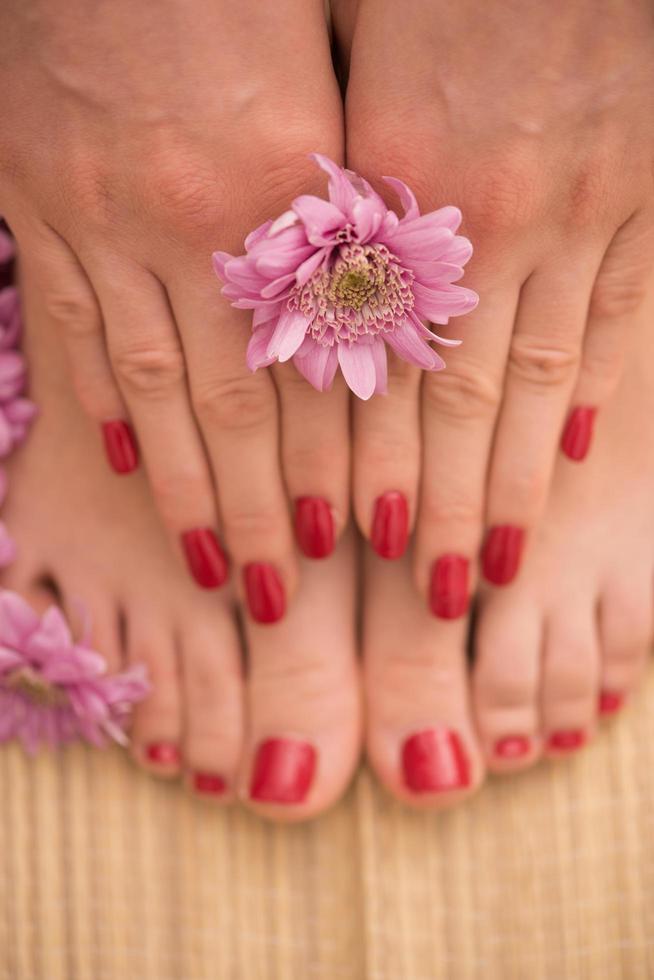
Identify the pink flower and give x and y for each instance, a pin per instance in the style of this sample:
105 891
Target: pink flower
10 320
7 547
333 282
15 419
54 690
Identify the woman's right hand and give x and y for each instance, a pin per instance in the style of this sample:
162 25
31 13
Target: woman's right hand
137 140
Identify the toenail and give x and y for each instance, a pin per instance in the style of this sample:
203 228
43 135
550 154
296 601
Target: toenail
434 761
163 754
314 526
283 771
209 783
120 446
566 741
502 552
578 433
448 589
264 591
513 747
390 525
610 702
206 559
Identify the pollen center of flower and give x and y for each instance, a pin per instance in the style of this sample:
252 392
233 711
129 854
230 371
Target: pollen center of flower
34 686
362 290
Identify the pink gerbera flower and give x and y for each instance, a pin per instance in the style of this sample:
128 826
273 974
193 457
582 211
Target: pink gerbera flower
333 282
53 689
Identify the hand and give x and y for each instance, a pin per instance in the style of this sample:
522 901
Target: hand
138 139
538 122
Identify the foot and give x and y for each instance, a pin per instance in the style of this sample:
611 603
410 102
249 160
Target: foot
286 737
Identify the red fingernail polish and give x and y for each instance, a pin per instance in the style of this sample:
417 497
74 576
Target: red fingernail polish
566 741
578 432
448 588
434 761
610 702
205 558
512 747
209 783
501 553
283 771
314 526
265 594
390 525
120 445
163 753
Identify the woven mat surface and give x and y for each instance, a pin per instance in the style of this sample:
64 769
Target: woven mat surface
106 874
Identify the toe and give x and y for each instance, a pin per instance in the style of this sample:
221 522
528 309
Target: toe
157 723
626 636
420 737
303 698
213 705
506 679
570 678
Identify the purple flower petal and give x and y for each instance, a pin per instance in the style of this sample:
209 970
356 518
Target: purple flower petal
438 305
256 356
381 366
317 363
357 363
288 335
406 196
408 345
320 218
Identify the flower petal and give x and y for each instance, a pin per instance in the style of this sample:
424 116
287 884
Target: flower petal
289 333
367 218
359 369
256 356
320 218
381 366
438 305
317 363
17 619
408 345
341 191
406 196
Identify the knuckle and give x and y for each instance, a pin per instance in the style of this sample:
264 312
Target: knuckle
148 371
185 194
543 366
311 462
250 521
616 296
72 313
462 393
461 511
504 690
238 404
176 490
500 197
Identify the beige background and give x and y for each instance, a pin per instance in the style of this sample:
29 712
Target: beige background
108 875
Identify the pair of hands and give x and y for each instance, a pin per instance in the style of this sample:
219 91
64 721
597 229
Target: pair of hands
137 141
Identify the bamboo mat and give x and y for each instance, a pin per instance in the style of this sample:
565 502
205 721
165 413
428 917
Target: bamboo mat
106 874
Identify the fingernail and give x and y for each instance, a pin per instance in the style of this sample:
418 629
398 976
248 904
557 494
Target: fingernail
163 753
283 771
513 747
578 433
610 702
314 526
206 560
434 761
501 554
566 741
209 783
448 589
390 525
120 446
264 590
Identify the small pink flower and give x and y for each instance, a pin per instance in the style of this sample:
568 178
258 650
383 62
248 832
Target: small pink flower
16 417
333 282
10 319
54 690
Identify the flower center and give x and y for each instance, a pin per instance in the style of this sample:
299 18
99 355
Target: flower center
36 688
363 290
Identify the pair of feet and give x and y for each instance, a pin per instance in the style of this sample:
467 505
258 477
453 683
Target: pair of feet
274 715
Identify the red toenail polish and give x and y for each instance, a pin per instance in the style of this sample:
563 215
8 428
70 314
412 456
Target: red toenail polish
578 433
434 761
206 560
163 754
390 525
314 526
120 446
610 702
283 771
448 588
501 553
209 783
512 747
265 594
566 741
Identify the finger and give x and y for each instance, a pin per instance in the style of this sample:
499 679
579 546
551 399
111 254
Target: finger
618 292
238 415
73 309
148 363
316 458
387 461
459 410
542 367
